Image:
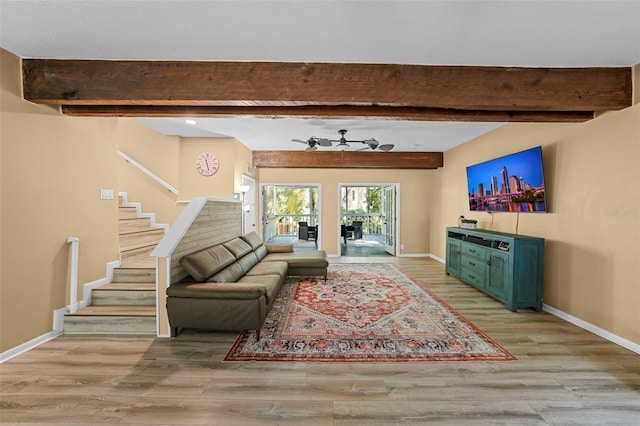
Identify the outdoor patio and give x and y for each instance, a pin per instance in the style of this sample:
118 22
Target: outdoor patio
369 245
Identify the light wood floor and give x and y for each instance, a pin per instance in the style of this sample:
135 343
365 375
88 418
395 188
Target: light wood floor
563 375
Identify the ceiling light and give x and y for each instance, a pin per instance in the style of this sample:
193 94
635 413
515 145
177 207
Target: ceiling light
342 146
190 121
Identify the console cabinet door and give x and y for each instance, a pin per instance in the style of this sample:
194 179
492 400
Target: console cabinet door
453 256
498 282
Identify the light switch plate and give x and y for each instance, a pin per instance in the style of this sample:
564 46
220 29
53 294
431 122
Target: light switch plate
106 194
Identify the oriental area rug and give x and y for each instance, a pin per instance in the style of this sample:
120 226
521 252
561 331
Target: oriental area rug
364 313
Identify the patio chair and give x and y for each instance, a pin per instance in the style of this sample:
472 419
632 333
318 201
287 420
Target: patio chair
356 229
306 232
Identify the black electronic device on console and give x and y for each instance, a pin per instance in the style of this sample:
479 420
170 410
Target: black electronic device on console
503 246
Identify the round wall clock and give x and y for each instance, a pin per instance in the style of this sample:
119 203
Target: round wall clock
207 164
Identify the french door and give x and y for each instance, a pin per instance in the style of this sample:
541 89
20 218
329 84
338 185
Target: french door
389 223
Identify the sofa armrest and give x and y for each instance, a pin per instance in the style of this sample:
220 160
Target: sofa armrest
217 290
279 247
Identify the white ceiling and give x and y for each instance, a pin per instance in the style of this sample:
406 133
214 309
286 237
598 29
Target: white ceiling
501 33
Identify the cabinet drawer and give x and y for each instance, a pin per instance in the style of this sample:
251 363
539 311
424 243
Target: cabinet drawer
472 277
474 250
473 264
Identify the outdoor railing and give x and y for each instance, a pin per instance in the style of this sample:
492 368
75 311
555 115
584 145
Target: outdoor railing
287 224
371 222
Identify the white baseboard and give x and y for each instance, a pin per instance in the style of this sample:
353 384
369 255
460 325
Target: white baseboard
414 255
58 321
434 257
621 341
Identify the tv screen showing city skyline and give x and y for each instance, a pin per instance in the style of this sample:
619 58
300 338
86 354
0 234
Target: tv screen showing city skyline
513 183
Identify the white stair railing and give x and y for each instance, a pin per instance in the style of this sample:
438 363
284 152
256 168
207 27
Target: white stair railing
73 285
148 172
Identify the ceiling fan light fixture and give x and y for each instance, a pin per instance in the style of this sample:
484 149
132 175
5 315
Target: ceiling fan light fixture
342 146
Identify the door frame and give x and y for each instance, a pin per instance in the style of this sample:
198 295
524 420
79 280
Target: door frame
261 221
382 185
394 222
249 205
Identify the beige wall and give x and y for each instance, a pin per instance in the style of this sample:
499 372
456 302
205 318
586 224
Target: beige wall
53 167
242 160
174 160
157 153
414 200
52 170
219 185
592 175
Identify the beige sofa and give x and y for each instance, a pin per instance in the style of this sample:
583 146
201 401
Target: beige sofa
232 286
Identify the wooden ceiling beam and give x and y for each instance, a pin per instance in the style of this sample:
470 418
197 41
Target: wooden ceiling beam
283 84
348 159
329 112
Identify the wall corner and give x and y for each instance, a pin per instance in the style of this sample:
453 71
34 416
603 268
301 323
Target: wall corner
635 84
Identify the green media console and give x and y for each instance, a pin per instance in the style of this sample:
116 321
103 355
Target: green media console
506 266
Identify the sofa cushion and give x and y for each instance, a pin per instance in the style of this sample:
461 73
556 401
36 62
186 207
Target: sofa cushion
230 274
310 259
238 247
252 239
260 252
279 247
204 263
217 290
270 268
272 283
248 261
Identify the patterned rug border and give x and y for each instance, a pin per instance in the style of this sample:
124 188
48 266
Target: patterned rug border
242 338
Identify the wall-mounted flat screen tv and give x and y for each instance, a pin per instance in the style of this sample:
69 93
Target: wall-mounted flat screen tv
513 183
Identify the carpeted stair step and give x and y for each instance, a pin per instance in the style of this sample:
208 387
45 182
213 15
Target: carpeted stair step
112 320
124 294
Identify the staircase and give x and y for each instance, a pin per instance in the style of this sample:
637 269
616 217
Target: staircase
127 305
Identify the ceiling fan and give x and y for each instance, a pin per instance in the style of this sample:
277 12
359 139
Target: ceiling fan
313 143
343 143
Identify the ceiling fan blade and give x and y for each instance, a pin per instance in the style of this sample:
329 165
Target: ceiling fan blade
386 148
300 141
363 149
323 142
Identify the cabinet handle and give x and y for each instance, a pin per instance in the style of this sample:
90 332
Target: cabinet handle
488 262
472 277
472 263
472 250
